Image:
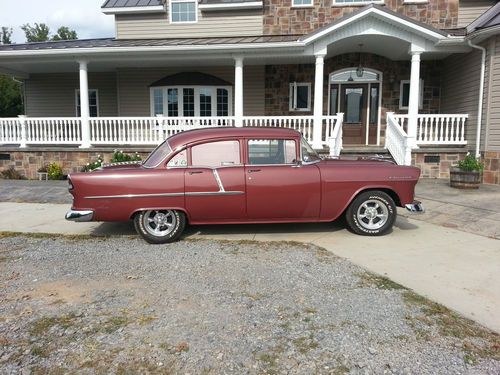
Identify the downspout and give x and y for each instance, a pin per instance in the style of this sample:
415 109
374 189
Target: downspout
481 97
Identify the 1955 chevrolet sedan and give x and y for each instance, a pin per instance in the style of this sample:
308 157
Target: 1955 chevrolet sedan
242 175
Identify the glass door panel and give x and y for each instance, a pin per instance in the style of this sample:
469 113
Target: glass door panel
205 102
354 105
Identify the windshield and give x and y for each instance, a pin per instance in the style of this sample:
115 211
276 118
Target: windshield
308 154
159 154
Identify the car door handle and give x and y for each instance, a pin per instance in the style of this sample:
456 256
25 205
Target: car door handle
253 170
195 172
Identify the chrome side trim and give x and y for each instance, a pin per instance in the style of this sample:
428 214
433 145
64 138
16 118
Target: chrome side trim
190 194
136 196
219 182
79 216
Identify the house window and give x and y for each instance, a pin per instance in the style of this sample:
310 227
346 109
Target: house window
300 96
204 101
182 11
302 3
271 151
93 103
404 94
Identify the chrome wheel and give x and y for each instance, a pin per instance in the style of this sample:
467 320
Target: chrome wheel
372 214
159 223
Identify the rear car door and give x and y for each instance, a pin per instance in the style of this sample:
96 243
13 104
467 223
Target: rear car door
277 185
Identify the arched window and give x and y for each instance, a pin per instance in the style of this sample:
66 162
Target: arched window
191 94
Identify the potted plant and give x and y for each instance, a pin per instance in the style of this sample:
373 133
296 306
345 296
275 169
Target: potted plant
467 173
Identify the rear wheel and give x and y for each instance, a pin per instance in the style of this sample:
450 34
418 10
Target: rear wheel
371 213
160 226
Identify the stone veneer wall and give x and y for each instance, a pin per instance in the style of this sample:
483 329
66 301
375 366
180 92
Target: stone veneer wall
436 170
491 173
278 78
28 162
281 18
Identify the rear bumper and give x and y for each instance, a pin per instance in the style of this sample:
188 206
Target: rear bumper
79 216
415 207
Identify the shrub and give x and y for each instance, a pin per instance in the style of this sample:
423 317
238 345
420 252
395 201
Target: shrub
54 171
11 174
470 163
93 165
120 157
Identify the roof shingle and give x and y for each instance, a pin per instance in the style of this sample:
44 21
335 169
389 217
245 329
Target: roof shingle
131 3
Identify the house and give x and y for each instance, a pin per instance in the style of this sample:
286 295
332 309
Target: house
415 77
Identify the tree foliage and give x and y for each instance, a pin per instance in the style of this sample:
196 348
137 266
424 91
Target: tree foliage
41 33
38 33
64 33
11 103
5 35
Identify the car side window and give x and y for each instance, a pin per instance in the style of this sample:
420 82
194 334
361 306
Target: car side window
216 154
272 151
179 160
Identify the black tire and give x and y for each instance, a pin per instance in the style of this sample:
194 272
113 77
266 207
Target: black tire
373 205
170 234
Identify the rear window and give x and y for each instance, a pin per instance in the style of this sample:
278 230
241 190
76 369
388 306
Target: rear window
159 154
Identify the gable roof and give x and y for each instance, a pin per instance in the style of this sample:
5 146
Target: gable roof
489 18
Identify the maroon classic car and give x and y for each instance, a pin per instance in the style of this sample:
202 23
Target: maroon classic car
242 175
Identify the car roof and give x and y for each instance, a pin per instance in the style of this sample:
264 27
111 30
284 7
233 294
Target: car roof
192 136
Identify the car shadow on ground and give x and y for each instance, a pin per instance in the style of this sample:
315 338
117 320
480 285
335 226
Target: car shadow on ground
246 230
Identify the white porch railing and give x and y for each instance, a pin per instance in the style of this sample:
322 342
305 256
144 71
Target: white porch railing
442 129
148 130
397 140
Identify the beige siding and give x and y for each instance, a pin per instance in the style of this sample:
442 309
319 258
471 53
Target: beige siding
53 95
236 23
134 89
460 89
492 128
469 10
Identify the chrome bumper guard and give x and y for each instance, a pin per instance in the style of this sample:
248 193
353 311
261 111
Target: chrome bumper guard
415 207
79 216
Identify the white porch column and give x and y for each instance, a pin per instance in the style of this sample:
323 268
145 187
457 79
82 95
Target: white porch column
84 104
318 102
414 99
238 91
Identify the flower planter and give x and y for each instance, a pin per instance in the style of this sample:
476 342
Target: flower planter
461 179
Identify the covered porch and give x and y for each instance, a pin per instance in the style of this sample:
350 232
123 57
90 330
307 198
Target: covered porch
371 79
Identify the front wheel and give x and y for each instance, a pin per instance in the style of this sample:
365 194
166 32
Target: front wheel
160 226
371 213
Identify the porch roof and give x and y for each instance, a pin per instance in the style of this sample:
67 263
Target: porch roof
131 3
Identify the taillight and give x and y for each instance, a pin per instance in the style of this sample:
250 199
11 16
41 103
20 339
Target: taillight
70 183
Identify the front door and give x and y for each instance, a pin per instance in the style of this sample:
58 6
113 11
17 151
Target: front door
353 103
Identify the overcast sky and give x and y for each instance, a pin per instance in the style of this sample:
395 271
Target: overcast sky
84 16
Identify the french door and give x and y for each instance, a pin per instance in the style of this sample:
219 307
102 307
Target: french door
360 104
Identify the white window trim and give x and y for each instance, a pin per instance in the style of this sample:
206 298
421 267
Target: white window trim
182 1
77 104
358 3
420 96
310 5
415 1
180 98
292 104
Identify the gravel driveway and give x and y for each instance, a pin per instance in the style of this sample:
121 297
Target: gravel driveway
121 306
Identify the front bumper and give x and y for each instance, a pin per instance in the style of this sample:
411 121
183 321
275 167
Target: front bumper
79 216
415 207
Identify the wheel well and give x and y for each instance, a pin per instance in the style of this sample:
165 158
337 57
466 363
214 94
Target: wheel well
389 192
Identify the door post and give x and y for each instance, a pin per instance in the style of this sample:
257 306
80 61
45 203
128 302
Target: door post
238 91
414 99
318 101
84 104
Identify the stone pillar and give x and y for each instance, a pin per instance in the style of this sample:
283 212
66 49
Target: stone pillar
318 102
84 104
238 91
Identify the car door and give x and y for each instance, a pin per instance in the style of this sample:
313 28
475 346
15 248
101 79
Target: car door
215 182
277 185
